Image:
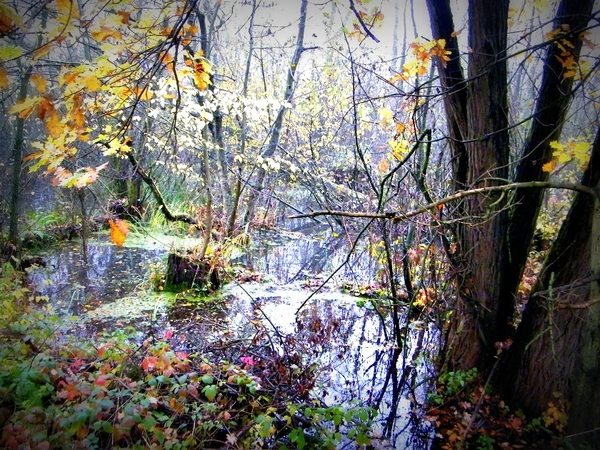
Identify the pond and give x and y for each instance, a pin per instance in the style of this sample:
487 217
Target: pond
297 308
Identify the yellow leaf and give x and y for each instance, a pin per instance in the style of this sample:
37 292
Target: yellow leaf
581 149
201 80
39 82
91 82
4 84
387 115
118 231
24 108
10 52
67 8
400 147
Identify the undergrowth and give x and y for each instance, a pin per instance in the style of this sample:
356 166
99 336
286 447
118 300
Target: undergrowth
122 391
466 415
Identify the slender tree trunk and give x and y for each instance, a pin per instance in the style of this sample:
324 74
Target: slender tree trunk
17 155
277 125
237 190
557 345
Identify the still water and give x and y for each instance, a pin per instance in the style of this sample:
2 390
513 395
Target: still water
298 307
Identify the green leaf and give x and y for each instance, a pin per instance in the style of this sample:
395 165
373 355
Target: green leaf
10 52
148 423
210 392
297 437
362 439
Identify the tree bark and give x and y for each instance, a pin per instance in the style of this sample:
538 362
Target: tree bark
477 116
553 100
557 345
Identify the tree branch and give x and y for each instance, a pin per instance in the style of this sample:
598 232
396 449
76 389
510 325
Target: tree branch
362 22
169 215
457 196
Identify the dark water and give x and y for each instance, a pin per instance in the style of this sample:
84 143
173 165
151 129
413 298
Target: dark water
300 309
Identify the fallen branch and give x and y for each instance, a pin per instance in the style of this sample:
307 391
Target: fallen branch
169 215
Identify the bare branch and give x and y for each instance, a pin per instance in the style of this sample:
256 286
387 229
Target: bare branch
457 196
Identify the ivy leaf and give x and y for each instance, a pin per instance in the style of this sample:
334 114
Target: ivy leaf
210 391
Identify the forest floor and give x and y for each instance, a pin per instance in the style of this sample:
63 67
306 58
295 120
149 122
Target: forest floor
474 417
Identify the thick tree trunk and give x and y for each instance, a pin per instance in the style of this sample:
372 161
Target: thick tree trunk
557 345
478 122
553 100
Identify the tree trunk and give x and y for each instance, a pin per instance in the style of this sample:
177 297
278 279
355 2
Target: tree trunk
276 128
557 345
237 189
477 115
553 100
17 155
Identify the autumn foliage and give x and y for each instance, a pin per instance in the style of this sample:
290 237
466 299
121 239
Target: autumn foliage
118 231
87 105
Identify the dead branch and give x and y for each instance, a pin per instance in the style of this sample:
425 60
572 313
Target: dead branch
398 216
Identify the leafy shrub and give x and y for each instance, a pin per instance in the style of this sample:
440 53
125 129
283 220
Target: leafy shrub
450 384
119 393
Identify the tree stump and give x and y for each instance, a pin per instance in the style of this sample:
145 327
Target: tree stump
184 271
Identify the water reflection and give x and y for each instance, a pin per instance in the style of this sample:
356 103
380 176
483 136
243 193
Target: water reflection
344 342
296 256
74 288
356 364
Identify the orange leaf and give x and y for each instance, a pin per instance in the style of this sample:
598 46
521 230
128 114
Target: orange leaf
43 108
39 82
149 363
125 16
104 33
118 232
3 79
9 18
549 166
383 165
44 49
54 125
